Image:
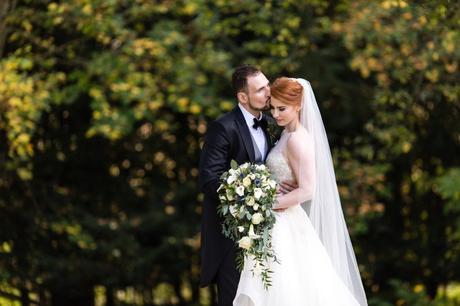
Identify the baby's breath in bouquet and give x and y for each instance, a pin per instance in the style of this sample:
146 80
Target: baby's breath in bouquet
247 194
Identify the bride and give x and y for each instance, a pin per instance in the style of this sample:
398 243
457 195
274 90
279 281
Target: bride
317 265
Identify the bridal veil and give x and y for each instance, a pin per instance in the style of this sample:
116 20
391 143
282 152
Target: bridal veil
325 209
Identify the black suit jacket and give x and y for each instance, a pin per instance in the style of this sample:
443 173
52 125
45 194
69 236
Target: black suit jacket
227 138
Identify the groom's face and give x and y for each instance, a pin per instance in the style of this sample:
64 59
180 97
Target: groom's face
257 96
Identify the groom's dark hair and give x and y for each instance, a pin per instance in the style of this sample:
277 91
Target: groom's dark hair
240 77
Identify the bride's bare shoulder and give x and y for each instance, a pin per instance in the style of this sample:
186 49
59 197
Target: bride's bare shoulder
299 141
300 135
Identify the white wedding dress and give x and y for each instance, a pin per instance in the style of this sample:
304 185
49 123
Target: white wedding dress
304 275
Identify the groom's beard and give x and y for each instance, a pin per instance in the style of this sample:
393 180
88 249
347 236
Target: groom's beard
255 108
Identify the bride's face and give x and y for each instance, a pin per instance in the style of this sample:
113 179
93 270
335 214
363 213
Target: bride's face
284 114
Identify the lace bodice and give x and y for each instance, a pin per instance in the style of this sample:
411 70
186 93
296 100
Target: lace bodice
277 161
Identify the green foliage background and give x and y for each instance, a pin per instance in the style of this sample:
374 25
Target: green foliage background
104 105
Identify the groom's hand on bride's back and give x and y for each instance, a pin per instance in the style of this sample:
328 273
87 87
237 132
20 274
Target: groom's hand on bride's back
286 187
283 188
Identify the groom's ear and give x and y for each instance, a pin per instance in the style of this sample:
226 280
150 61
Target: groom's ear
242 97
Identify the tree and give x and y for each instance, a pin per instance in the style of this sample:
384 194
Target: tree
407 50
104 107
104 104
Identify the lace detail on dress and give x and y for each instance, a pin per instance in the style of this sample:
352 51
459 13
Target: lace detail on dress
277 162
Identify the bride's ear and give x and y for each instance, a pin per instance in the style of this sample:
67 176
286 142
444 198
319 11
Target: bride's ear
298 110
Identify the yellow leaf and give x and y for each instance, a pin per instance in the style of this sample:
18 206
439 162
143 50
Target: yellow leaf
87 9
154 105
58 20
52 6
406 147
6 247
195 109
405 49
95 93
24 173
418 288
226 105
14 102
23 138
161 125
182 102
27 26
452 68
432 75
190 8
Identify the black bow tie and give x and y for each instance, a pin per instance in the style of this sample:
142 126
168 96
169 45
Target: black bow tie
260 123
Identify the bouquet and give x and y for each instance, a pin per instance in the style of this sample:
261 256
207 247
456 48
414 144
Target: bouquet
247 194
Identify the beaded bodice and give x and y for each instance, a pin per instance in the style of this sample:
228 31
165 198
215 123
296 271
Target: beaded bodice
277 162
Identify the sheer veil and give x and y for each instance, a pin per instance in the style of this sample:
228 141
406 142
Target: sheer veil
325 209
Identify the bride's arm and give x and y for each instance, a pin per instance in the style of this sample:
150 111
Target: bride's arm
301 157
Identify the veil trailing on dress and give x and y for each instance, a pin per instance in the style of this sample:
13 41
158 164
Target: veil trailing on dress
325 209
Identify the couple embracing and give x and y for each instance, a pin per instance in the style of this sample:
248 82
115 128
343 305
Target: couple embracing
317 265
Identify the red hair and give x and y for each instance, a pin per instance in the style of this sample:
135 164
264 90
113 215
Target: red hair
287 90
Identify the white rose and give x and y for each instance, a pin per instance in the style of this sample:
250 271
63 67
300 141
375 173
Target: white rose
250 201
240 229
229 196
272 184
260 167
240 190
231 179
233 210
252 176
256 206
258 193
257 218
245 243
251 233
246 182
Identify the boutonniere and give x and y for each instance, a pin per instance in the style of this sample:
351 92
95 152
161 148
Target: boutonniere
273 130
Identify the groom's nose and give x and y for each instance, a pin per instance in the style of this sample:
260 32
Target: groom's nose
267 90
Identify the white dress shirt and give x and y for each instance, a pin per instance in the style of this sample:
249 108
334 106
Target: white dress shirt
257 134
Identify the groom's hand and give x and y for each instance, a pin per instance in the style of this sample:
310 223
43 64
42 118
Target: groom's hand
286 187
283 188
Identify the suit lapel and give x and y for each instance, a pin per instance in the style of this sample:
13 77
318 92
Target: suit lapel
244 132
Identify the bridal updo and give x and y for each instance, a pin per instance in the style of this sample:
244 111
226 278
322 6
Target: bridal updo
287 90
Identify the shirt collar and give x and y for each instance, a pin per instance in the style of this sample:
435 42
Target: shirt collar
248 117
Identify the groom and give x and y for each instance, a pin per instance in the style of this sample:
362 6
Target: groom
238 135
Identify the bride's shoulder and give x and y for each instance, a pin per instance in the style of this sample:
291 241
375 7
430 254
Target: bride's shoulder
300 135
299 140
